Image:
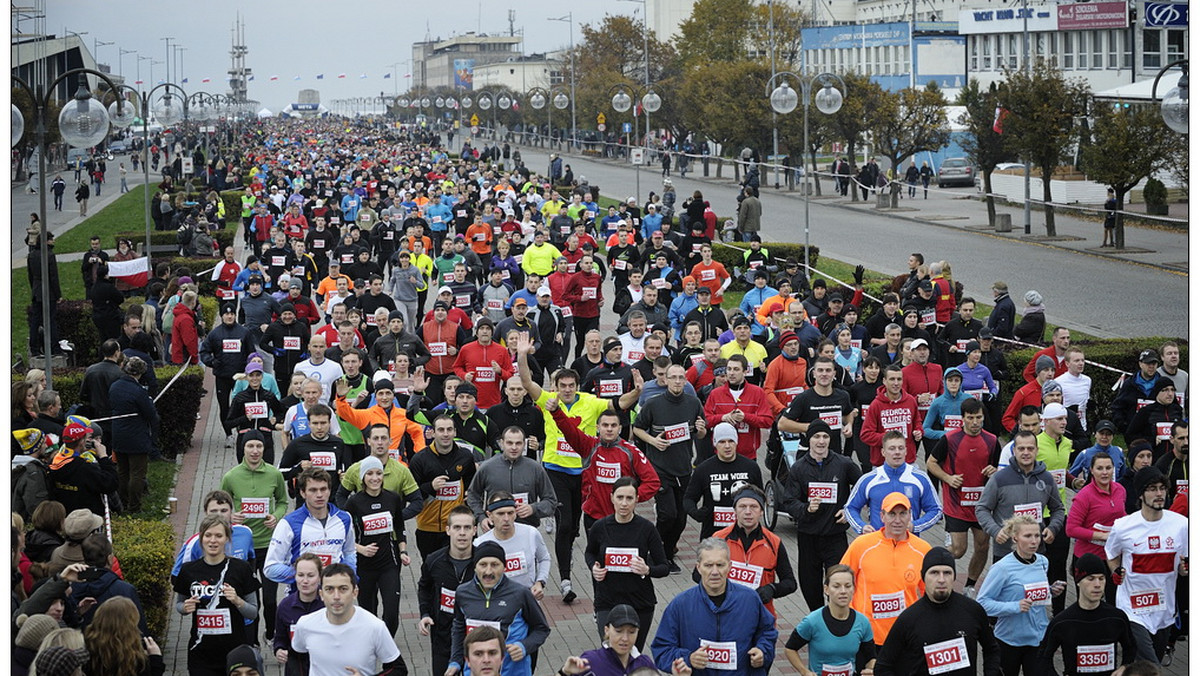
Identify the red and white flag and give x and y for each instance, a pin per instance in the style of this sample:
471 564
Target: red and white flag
998 121
134 272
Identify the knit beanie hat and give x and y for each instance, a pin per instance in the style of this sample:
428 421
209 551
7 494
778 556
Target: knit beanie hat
1043 362
244 656
60 661
33 629
938 556
488 550
369 463
817 426
1050 385
1089 564
1146 477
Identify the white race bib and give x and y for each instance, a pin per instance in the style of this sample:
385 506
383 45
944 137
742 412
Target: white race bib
231 345
326 460
377 524
485 374
473 624
620 559
1038 593
291 342
947 656
887 605
1162 431
437 349
846 669
1095 658
677 433
825 491
610 388
255 409
746 574
587 293
450 491
722 655
256 508
1060 478
970 495
1031 509
514 563
722 516
607 472
495 304
1145 602
213 622
952 422
446 600
831 418
708 275
619 264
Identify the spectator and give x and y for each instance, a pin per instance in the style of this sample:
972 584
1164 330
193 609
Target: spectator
99 582
134 431
81 473
115 645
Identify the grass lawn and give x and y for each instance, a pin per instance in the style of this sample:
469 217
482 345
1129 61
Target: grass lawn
72 289
126 214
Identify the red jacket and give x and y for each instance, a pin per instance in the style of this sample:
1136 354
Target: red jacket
447 332
306 311
700 374
603 465
920 379
1030 394
1060 365
477 359
454 316
753 403
584 295
185 339
557 283
885 415
943 293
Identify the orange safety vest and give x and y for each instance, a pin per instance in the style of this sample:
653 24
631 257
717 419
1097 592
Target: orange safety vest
753 568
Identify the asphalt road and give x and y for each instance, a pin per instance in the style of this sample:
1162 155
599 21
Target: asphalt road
1102 296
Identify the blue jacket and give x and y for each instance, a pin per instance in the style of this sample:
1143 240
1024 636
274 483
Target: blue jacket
651 223
691 616
299 532
135 433
750 304
439 209
874 486
1001 595
978 378
943 406
510 606
1083 461
680 307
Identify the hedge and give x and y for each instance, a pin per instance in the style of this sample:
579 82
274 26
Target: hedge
731 256
176 411
147 553
1117 353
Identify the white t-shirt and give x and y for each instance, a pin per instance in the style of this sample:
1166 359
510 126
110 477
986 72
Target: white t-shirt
1077 390
632 349
1150 551
363 643
527 559
325 373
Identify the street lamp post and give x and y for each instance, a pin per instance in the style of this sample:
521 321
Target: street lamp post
622 101
570 19
784 100
538 97
121 59
83 123
1174 105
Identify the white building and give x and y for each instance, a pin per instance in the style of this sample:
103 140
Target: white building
521 73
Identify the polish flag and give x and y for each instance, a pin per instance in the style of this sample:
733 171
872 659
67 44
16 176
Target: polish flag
133 273
274 77
998 121
207 79
341 76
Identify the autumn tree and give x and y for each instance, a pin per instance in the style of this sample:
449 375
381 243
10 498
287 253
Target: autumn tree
725 102
1129 144
861 100
716 31
908 122
982 144
1040 126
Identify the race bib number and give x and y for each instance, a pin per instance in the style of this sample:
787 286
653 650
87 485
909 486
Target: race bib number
256 409
1162 431
588 293
677 433
473 624
521 498
746 574
278 261
255 508
461 213
708 275
495 304
722 655
450 492
846 669
371 321
213 622
970 495
947 656
231 345
1060 478
722 516
620 559
326 558
505 274
831 418
1143 402
856 344
226 294
823 491
437 349
1100 528
953 422
1181 486
318 244
1030 509
1038 593
514 563
436 219
607 472
1095 658
637 355
326 460
697 358
928 317
610 388
377 524
887 605
619 264
567 450
394 454
480 236
446 600
659 283
961 344
291 342
347 258
977 394
1146 601
462 300
485 374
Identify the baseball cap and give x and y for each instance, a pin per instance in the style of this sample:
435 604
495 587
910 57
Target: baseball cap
253 367
920 342
444 289
77 428
520 300
893 500
986 334
623 615
1106 426
1149 357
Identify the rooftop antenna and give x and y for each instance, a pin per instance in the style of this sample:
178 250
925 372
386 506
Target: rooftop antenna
512 18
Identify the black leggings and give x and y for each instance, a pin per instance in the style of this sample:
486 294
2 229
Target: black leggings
383 582
568 488
1015 659
224 390
1057 553
671 516
814 554
270 590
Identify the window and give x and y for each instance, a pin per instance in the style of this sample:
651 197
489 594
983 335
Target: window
1014 50
1097 49
1067 50
1082 55
1176 45
1039 45
1152 49
887 60
974 53
987 52
1114 49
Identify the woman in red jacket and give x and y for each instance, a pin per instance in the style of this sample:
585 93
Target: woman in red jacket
185 341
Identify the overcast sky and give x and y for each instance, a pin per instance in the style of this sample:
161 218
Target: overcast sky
283 38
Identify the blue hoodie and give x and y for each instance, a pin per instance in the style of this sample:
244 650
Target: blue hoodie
944 405
680 307
1001 595
754 298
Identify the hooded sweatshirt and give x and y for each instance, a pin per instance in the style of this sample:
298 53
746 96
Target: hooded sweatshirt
945 411
885 415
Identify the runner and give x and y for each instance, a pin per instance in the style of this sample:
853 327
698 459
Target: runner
342 638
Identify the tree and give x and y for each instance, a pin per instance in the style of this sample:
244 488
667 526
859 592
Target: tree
982 144
725 102
1129 143
861 99
716 31
908 122
1040 126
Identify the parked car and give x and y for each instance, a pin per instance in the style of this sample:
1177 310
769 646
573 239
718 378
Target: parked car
118 146
956 171
999 167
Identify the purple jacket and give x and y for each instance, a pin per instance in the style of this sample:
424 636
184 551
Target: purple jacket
604 662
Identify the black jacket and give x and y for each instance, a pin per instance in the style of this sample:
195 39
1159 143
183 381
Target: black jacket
34 269
133 435
388 345
1000 321
93 392
80 484
527 416
836 468
226 364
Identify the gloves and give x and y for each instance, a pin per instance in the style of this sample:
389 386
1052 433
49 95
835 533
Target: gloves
766 592
1118 576
858 274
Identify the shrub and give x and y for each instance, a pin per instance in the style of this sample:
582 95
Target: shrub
1116 353
76 325
146 550
731 255
1154 192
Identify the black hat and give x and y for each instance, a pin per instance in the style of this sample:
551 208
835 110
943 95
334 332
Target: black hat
1161 383
488 550
287 307
972 345
1146 477
818 284
243 656
1106 425
255 279
704 290
817 426
740 320
484 321
1089 564
623 615
1149 357
252 435
466 388
395 314
228 308
761 274
836 298
938 556
384 384
791 263
986 334
925 285
441 305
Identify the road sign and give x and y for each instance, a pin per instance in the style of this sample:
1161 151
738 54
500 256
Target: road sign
188 167
474 120
601 126
636 155
600 119
475 129
626 127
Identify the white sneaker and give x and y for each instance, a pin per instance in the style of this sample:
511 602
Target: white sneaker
548 525
969 592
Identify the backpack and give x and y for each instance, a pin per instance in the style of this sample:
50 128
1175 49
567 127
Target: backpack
183 237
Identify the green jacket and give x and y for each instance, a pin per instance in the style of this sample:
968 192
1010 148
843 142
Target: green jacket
264 482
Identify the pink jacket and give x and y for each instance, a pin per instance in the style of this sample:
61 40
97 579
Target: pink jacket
1089 507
